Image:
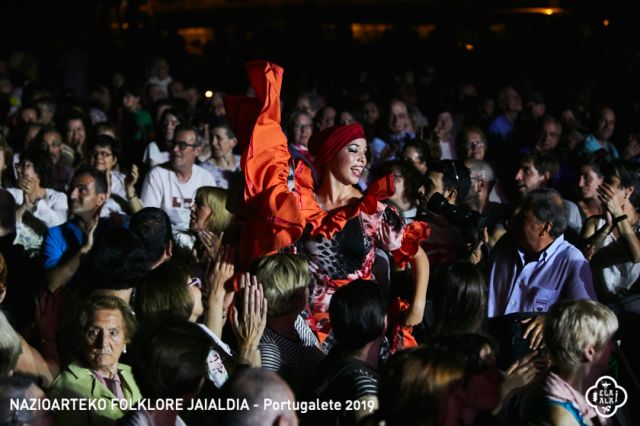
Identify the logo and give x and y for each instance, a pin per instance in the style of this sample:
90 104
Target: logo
606 396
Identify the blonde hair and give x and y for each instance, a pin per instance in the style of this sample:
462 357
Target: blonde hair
216 200
10 347
285 278
570 327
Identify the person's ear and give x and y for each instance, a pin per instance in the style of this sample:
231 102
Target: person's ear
102 198
115 160
589 353
168 252
546 229
628 192
234 142
546 177
451 196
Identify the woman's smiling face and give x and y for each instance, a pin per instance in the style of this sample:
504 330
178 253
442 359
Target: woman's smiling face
350 161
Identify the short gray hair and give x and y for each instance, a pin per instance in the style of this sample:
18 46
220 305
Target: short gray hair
481 168
570 327
548 207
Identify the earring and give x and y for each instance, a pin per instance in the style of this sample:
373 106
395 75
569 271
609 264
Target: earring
124 351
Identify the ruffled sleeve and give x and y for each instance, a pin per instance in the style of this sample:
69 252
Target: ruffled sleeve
414 233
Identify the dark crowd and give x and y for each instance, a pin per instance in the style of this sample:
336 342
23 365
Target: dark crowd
406 259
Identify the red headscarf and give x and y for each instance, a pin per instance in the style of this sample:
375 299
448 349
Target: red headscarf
326 144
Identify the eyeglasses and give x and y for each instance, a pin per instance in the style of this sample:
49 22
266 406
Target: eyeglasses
475 144
183 145
302 126
105 154
196 282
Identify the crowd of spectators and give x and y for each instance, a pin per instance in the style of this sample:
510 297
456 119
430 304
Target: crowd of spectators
472 262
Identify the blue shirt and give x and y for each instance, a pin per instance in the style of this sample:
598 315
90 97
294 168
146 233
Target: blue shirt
58 239
501 127
56 243
591 144
561 272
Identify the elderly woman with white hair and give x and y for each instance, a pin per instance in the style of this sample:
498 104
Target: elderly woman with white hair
579 339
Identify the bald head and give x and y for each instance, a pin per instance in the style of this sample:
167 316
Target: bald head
256 386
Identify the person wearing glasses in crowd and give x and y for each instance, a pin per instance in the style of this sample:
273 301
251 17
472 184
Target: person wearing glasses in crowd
50 140
105 153
159 151
300 127
172 186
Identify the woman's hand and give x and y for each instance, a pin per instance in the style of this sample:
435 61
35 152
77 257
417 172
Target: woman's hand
218 273
519 375
249 323
220 297
130 181
610 199
211 242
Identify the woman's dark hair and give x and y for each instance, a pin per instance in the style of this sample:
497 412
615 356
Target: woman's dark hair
421 146
106 141
221 122
629 175
459 300
357 312
162 290
467 349
42 164
596 160
169 358
412 178
415 385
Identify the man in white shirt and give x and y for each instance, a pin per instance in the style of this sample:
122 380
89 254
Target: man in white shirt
172 186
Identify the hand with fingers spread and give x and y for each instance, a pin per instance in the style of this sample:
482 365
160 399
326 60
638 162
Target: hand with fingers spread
249 322
533 331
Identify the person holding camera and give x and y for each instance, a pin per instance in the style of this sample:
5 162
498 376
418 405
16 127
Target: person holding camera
456 231
532 267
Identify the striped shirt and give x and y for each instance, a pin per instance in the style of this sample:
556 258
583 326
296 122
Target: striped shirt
295 361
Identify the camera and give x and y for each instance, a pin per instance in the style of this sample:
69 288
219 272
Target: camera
468 221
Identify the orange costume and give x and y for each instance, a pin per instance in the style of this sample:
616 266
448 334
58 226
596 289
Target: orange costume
338 244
